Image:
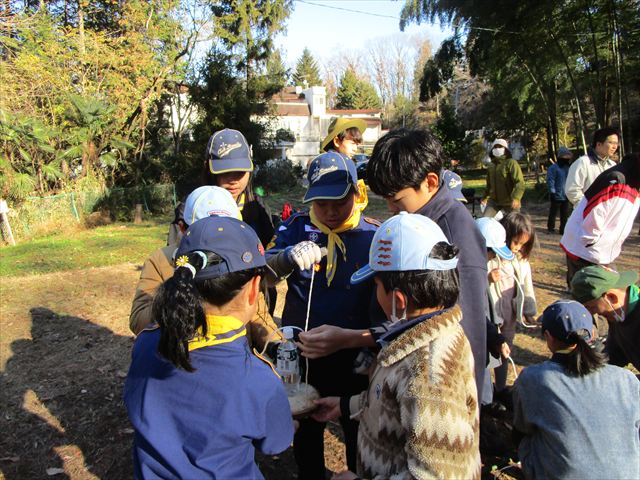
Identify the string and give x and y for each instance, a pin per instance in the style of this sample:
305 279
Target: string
306 322
513 365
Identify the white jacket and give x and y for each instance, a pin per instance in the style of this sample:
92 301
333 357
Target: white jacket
524 303
581 175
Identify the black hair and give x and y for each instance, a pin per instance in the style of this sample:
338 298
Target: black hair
516 224
402 158
584 358
427 288
600 135
356 136
631 163
178 309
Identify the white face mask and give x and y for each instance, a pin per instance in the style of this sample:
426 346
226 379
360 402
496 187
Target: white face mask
619 317
394 317
498 152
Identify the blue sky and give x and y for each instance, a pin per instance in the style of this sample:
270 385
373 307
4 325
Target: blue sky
324 26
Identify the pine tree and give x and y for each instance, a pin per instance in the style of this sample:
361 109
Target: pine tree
355 93
307 70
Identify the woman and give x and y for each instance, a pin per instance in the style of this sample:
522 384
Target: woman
578 416
199 401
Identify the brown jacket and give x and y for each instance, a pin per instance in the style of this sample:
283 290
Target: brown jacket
419 417
157 269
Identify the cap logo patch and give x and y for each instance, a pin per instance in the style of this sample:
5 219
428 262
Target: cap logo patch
454 183
384 264
384 249
247 257
226 148
224 213
385 242
319 172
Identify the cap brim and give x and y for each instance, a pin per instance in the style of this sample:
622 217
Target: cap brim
362 274
356 122
326 192
503 252
218 166
626 279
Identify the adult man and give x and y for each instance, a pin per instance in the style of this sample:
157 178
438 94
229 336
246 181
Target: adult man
616 297
585 169
603 218
556 178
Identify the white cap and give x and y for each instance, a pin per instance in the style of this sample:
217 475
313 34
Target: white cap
287 333
208 200
495 236
404 242
500 142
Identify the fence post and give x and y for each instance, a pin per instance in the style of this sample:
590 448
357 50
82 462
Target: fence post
7 234
175 200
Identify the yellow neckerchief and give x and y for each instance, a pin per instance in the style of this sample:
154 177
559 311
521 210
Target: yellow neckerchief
333 239
240 202
220 329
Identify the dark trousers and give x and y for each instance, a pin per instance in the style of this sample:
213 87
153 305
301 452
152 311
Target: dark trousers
558 205
331 376
308 447
574 265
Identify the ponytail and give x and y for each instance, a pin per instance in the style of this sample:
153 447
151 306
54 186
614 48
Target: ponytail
584 359
177 309
178 305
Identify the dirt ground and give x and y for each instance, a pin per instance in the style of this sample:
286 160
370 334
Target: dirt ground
64 354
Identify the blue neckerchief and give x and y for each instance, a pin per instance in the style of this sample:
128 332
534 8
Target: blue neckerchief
402 326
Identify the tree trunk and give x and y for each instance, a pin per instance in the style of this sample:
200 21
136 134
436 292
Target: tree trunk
137 216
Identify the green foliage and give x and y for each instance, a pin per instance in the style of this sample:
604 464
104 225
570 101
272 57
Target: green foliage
451 133
355 93
307 70
278 175
284 135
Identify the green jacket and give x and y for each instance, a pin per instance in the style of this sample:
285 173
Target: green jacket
505 182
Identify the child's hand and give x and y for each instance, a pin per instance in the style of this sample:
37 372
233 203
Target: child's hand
494 275
322 341
306 254
328 409
505 351
515 204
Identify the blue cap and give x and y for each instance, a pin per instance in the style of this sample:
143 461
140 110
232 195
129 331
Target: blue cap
233 240
565 316
495 236
330 176
454 183
209 200
228 151
402 243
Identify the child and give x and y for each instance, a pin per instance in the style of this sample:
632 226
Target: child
159 267
334 222
419 416
510 289
344 136
580 418
199 401
405 168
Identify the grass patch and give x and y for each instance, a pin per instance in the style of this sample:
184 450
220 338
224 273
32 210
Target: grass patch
108 245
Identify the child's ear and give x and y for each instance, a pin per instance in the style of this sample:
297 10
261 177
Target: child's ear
401 300
433 181
336 142
254 290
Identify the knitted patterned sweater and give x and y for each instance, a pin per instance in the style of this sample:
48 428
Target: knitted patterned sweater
419 417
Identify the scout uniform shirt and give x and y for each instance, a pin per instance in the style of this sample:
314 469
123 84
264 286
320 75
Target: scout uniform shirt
206 423
340 303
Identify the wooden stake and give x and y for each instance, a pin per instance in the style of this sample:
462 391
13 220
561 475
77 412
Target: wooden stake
7 234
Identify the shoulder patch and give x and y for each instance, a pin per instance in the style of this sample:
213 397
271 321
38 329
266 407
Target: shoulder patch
372 221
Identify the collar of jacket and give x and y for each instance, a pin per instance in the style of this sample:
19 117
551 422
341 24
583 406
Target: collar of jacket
438 205
220 329
419 336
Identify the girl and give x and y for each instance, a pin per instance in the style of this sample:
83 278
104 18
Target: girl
199 401
511 295
579 418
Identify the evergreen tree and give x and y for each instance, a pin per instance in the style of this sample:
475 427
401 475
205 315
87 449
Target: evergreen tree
307 70
355 93
277 72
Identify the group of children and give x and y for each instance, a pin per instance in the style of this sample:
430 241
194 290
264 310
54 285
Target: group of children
395 317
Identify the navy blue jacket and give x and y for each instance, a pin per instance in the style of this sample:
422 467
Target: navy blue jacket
556 178
460 229
207 423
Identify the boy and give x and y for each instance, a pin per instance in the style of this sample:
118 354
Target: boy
405 169
344 136
335 222
419 416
